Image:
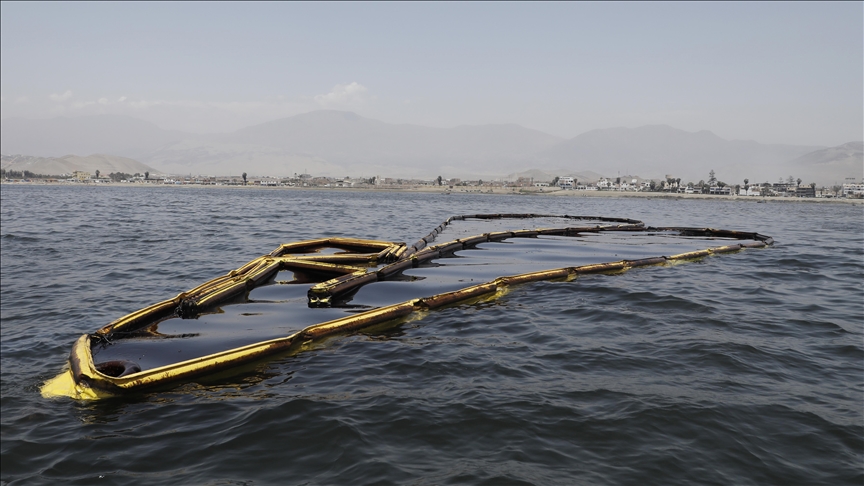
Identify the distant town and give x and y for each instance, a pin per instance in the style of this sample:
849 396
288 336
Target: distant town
788 187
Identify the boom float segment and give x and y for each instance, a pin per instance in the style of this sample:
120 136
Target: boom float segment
87 380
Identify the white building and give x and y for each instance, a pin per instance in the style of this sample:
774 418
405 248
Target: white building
752 190
851 189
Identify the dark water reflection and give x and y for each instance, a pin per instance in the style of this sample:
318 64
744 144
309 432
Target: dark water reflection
741 369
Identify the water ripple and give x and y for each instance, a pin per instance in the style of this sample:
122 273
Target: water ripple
738 369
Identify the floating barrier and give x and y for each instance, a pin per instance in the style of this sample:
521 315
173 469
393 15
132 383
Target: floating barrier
338 276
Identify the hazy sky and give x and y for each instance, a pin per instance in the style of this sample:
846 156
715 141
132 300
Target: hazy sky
771 72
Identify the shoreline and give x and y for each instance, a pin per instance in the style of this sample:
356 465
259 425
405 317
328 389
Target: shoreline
492 191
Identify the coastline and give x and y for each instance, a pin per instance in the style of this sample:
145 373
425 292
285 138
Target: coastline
461 191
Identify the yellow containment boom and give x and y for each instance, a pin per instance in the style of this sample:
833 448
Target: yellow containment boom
86 380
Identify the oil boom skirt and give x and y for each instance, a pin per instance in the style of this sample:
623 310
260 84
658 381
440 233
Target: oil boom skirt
335 269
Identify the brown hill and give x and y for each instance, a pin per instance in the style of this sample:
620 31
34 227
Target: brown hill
833 164
68 164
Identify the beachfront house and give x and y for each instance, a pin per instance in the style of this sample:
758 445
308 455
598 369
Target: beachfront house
805 191
750 190
852 189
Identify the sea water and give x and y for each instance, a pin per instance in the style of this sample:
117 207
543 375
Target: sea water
745 368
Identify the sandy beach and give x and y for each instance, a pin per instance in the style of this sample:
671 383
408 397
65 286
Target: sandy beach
457 190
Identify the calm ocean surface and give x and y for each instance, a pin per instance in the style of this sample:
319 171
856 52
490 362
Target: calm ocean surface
745 368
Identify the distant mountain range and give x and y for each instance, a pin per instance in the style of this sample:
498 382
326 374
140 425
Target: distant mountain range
105 164
343 143
845 159
98 134
658 150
